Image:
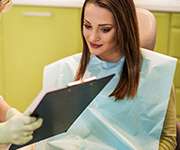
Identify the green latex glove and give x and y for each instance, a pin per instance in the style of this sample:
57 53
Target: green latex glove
18 128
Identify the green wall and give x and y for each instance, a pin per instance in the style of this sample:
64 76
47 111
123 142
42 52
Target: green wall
1 58
31 42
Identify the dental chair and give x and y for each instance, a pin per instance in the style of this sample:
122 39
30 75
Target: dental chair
147 33
147 28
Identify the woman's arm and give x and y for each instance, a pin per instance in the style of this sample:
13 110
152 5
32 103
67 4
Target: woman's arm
3 109
168 135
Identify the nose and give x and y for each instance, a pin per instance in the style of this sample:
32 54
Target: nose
94 36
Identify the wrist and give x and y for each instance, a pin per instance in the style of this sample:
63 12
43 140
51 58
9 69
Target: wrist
11 112
3 133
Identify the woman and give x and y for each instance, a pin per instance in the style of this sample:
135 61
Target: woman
15 127
132 111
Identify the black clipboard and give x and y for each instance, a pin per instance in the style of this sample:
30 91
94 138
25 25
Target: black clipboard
60 108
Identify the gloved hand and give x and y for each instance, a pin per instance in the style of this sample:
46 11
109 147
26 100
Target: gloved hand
18 128
11 112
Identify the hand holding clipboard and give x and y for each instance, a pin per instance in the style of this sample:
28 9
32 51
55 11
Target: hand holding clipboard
60 108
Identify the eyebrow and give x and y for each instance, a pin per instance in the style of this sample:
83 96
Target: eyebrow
99 24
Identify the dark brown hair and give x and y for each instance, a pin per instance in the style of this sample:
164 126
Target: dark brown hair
124 14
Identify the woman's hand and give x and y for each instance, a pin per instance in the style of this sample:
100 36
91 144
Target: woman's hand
5 5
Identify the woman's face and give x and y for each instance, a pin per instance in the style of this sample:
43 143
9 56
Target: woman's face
100 33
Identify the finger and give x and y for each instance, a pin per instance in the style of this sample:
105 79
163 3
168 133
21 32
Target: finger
29 120
35 125
5 1
28 113
28 138
8 3
23 140
27 133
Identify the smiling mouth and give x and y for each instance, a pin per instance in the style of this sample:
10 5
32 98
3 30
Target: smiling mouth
95 45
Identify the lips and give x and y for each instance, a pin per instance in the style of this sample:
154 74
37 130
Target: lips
93 45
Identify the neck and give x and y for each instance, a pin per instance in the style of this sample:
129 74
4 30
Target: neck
111 57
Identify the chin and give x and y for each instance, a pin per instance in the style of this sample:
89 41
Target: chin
95 53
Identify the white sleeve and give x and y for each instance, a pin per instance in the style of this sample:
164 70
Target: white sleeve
57 75
50 76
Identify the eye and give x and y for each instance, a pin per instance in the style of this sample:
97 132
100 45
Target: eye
105 29
87 26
